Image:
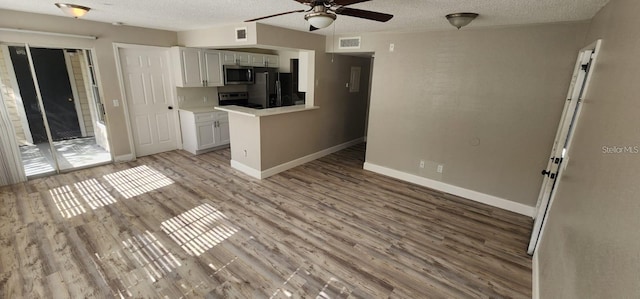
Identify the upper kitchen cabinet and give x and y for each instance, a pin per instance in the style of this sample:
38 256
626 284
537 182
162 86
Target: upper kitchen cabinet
250 59
264 60
197 67
239 58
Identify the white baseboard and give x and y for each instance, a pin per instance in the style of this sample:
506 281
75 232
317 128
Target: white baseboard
535 282
246 169
291 164
308 158
455 190
124 158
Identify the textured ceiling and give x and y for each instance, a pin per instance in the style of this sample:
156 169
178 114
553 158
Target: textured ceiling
410 15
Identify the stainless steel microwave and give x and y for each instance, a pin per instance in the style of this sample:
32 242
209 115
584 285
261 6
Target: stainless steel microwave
237 74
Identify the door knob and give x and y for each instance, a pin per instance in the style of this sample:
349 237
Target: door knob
170 107
549 174
70 99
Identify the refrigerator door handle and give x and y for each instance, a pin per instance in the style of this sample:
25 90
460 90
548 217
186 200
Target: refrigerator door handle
249 72
278 94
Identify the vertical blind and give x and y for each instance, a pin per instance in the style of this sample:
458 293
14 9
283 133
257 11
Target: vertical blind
11 170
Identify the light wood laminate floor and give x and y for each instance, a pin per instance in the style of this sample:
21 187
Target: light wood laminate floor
175 225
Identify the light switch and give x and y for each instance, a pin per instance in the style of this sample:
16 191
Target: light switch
116 103
392 47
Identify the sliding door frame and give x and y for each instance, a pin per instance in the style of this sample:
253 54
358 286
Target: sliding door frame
92 52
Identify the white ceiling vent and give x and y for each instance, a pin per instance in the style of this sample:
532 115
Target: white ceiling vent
349 42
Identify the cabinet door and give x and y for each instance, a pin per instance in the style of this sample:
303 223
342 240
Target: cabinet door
228 58
223 135
206 135
190 61
242 58
257 60
212 68
272 60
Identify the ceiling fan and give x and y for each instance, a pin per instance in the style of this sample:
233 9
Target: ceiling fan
323 12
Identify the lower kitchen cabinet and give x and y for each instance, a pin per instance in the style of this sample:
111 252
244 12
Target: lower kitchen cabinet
203 131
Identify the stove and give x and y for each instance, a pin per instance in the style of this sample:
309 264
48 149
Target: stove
236 98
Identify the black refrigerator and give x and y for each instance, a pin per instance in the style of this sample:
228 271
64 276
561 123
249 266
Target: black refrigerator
271 88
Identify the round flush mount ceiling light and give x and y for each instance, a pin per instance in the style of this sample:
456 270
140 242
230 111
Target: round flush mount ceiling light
73 10
461 19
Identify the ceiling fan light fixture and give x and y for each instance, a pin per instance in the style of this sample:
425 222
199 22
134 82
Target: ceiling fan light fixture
461 19
320 19
76 11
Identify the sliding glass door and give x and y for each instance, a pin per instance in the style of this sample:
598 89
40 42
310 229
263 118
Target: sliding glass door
57 113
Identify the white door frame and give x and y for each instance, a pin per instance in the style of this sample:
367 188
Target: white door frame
124 101
557 163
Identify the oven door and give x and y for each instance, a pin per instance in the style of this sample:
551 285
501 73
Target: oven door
234 74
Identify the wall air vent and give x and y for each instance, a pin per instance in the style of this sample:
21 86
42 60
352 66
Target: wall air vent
241 34
349 42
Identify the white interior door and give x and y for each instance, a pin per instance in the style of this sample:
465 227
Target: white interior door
146 80
560 149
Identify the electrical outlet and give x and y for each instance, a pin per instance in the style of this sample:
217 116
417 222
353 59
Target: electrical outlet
421 163
439 169
116 103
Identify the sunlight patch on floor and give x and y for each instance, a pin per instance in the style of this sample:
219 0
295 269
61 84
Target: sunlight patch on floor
66 202
94 193
199 229
137 181
151 255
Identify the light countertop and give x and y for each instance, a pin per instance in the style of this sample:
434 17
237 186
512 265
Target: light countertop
264 112
199 109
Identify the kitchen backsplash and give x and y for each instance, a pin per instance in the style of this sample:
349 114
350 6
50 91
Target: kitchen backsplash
192 97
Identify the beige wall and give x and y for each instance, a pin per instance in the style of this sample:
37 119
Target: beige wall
484 103
341 116
103 50
591 245
245 140
220 37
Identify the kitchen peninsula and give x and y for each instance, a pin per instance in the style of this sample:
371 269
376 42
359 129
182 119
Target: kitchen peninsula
253 153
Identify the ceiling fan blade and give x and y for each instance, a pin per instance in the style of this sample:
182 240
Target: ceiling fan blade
311 28
278 14
347 2
365 14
